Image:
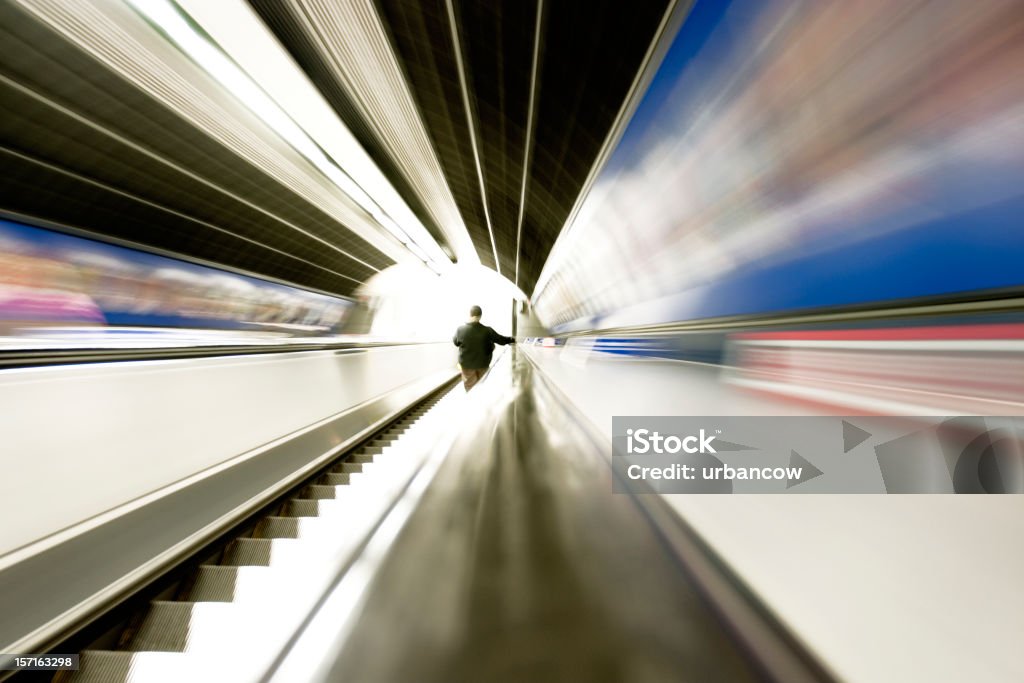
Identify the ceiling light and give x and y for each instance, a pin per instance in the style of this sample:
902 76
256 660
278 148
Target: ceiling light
169 18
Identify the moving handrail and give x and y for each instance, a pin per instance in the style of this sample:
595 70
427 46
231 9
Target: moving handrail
42 357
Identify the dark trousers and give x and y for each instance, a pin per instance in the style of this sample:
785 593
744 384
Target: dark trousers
470 376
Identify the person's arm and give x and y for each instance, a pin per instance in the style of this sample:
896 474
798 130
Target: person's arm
455 339
500 338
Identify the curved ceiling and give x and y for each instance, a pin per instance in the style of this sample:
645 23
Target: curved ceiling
485 119
517 98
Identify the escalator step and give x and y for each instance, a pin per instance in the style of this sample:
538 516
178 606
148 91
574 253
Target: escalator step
277 527
335 479
320 492
163 629
248 552
361 458
98 666
213 584
302 507
347 467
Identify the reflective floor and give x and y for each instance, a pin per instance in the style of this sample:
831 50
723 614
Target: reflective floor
521 565
885 589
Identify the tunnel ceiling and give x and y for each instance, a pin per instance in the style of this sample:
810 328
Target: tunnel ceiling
589 55
82 145
104 129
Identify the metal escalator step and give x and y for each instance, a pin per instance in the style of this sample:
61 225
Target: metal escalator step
347 467
320 492
277 527
372 450
213 584
163 629
245 552
302 507
98 666
335 479
361 458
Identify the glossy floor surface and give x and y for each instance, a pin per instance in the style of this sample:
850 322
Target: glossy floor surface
519 564
881 588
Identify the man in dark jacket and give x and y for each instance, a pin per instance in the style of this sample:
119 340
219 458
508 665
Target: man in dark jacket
476 344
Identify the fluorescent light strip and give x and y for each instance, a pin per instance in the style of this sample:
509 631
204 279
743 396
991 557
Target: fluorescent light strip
528 146
161 207
170 19
180 169
472 127
124 41
419 252
244 38
355 44
61 18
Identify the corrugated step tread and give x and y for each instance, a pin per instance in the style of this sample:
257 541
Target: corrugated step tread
163 629
248 552
336 479
302 507
320 492
277 527
213 584
98 666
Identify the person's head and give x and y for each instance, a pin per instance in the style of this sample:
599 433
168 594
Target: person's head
475 312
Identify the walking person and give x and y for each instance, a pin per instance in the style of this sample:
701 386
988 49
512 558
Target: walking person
476 344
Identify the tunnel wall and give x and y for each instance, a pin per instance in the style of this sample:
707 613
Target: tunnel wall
802 156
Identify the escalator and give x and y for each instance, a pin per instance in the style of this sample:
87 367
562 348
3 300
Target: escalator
257 567
476 538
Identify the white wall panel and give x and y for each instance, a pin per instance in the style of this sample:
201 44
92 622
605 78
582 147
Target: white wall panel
76 441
